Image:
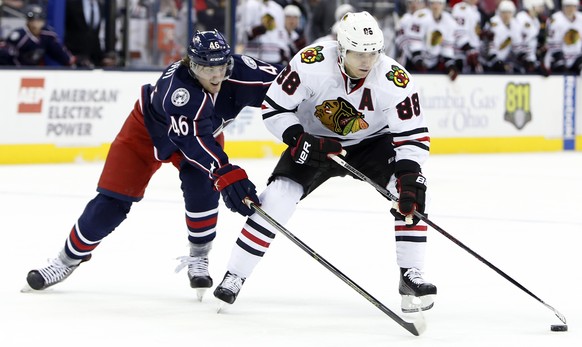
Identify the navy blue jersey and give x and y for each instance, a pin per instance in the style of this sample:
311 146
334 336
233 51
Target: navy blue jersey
27 49
181 115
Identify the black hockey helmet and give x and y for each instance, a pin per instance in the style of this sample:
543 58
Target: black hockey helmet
34 12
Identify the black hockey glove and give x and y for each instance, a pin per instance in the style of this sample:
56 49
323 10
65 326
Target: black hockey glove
451 69
417 62
234 185
256 31
314 151
558 62
411 188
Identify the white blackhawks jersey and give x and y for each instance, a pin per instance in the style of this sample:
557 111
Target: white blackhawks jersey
401 40
268 46
313 91
434 38
506 38
564 36
468 30
530 29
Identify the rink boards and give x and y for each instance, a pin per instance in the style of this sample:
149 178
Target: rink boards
66 116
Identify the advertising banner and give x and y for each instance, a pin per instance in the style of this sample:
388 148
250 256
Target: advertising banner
62 116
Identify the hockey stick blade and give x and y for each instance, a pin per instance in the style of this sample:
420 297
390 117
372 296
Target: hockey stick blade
560 316
382 190
415 328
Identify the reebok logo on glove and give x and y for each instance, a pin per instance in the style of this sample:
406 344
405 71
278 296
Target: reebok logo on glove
304 153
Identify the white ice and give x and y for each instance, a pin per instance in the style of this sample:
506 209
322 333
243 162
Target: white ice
522 212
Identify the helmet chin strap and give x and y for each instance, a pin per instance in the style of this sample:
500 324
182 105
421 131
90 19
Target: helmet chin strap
342 60
343 69
191 67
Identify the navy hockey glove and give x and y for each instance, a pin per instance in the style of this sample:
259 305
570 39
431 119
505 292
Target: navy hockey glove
234 185
314 151
412 190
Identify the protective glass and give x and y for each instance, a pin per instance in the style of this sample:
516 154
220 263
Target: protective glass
209 72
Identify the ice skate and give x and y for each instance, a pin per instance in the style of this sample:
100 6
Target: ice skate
228 289
416 293
197 264
197 273
57 271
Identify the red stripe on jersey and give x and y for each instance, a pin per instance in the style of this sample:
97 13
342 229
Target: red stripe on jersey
255 239
412 228
80 245
201 223
421 139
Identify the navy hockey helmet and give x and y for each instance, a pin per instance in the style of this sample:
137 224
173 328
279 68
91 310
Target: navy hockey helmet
209 48
34 12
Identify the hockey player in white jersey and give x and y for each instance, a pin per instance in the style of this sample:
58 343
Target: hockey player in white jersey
505 41
261 28
402 30
431 37
530 30
344 95
467 36
564 47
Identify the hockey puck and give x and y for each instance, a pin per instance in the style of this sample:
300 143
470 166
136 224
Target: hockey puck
559 327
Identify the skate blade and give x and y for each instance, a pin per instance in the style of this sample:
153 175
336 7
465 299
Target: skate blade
26 289
222 306
411 303
200 293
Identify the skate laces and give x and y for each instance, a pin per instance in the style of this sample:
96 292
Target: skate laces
232 282
414 275
55 272
197 266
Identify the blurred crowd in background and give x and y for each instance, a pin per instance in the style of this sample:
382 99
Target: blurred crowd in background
428 36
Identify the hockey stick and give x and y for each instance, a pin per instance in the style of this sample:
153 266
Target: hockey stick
416 328
425 219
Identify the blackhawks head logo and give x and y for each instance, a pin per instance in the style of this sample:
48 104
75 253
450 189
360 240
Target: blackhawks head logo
436 38
398 76
571 37
340 116
312 55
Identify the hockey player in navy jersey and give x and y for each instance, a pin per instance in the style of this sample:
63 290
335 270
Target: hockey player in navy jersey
31 44
334 96
179 120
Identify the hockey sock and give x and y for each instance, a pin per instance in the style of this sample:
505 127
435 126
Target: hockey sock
410 244
201 226
279 200
101 216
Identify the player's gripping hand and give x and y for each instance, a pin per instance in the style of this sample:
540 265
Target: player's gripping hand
412 190
473 58
314 151
452 72
234 185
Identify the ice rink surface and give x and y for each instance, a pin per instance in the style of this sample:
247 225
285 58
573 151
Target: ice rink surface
522 212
